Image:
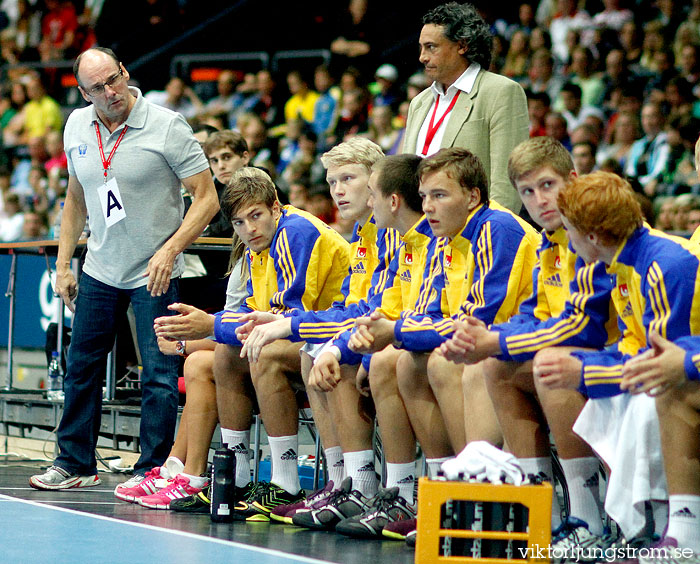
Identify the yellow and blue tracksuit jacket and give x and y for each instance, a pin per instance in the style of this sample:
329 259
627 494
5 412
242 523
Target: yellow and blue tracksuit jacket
303 269
691 346
405 274
657 278
570 304
695 237
371 250
485 272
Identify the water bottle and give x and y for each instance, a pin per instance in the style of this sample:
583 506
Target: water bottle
57 223
223 486
55 391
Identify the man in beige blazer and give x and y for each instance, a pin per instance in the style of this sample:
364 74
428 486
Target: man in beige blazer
466 106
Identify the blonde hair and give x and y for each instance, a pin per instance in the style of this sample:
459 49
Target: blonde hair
357 150
537 152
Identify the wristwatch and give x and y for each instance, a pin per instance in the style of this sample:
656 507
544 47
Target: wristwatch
180 348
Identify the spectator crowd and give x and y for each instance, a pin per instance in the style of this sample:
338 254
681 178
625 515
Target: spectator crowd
461 322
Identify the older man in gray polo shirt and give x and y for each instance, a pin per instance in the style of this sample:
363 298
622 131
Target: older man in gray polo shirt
126 159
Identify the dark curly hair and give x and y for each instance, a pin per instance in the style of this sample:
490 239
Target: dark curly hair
463 24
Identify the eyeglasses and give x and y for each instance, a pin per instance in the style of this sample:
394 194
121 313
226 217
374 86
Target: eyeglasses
99 89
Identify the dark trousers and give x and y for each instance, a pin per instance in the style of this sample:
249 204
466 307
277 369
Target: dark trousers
94 327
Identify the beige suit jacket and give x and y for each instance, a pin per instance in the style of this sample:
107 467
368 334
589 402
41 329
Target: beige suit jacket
489 121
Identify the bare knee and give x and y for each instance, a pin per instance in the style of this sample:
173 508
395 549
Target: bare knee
473 378
409 374
496 371
277 362
267 363
442 372
228 364
382 369
199 367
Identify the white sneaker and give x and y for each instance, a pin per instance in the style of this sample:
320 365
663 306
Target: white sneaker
574 542
56 478
139 485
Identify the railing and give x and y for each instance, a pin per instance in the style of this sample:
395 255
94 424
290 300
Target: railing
323 54
180 65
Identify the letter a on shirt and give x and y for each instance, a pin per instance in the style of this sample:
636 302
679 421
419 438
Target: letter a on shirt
111 202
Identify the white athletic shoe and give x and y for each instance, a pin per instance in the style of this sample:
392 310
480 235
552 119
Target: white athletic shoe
56 478
574 542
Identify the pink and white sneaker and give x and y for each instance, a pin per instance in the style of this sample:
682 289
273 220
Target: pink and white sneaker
139 485
177 488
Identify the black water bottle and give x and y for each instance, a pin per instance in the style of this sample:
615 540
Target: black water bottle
223 482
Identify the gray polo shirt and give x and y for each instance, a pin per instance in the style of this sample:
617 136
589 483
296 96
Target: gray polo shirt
157 151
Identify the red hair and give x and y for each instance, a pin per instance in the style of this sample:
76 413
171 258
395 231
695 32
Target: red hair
601 203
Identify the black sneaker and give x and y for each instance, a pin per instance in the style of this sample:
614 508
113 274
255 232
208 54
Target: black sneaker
341 504
284 513
201 503
263 499
384 508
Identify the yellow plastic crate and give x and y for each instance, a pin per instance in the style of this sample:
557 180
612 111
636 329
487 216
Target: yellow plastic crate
432 494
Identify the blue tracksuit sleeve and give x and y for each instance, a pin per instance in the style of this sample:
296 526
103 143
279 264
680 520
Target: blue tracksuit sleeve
226 322
346 355
601 373
691 367
582 323
691 346
319 326
420 330
225 325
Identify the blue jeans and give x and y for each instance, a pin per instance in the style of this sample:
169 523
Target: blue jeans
94 329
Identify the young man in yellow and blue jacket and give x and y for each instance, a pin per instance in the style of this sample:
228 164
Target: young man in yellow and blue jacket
476 242
570 306
660 277
395 203
294 262
346 431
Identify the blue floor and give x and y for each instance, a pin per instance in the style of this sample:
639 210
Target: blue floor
31 532
91 526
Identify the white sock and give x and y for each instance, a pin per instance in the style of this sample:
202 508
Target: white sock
196 481
285 463
239 443
434 465
402 476
684 520
660 511
359 465
335 465
171 468
543 466
583 480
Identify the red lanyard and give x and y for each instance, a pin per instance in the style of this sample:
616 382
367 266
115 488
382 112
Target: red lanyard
106 163
432 129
